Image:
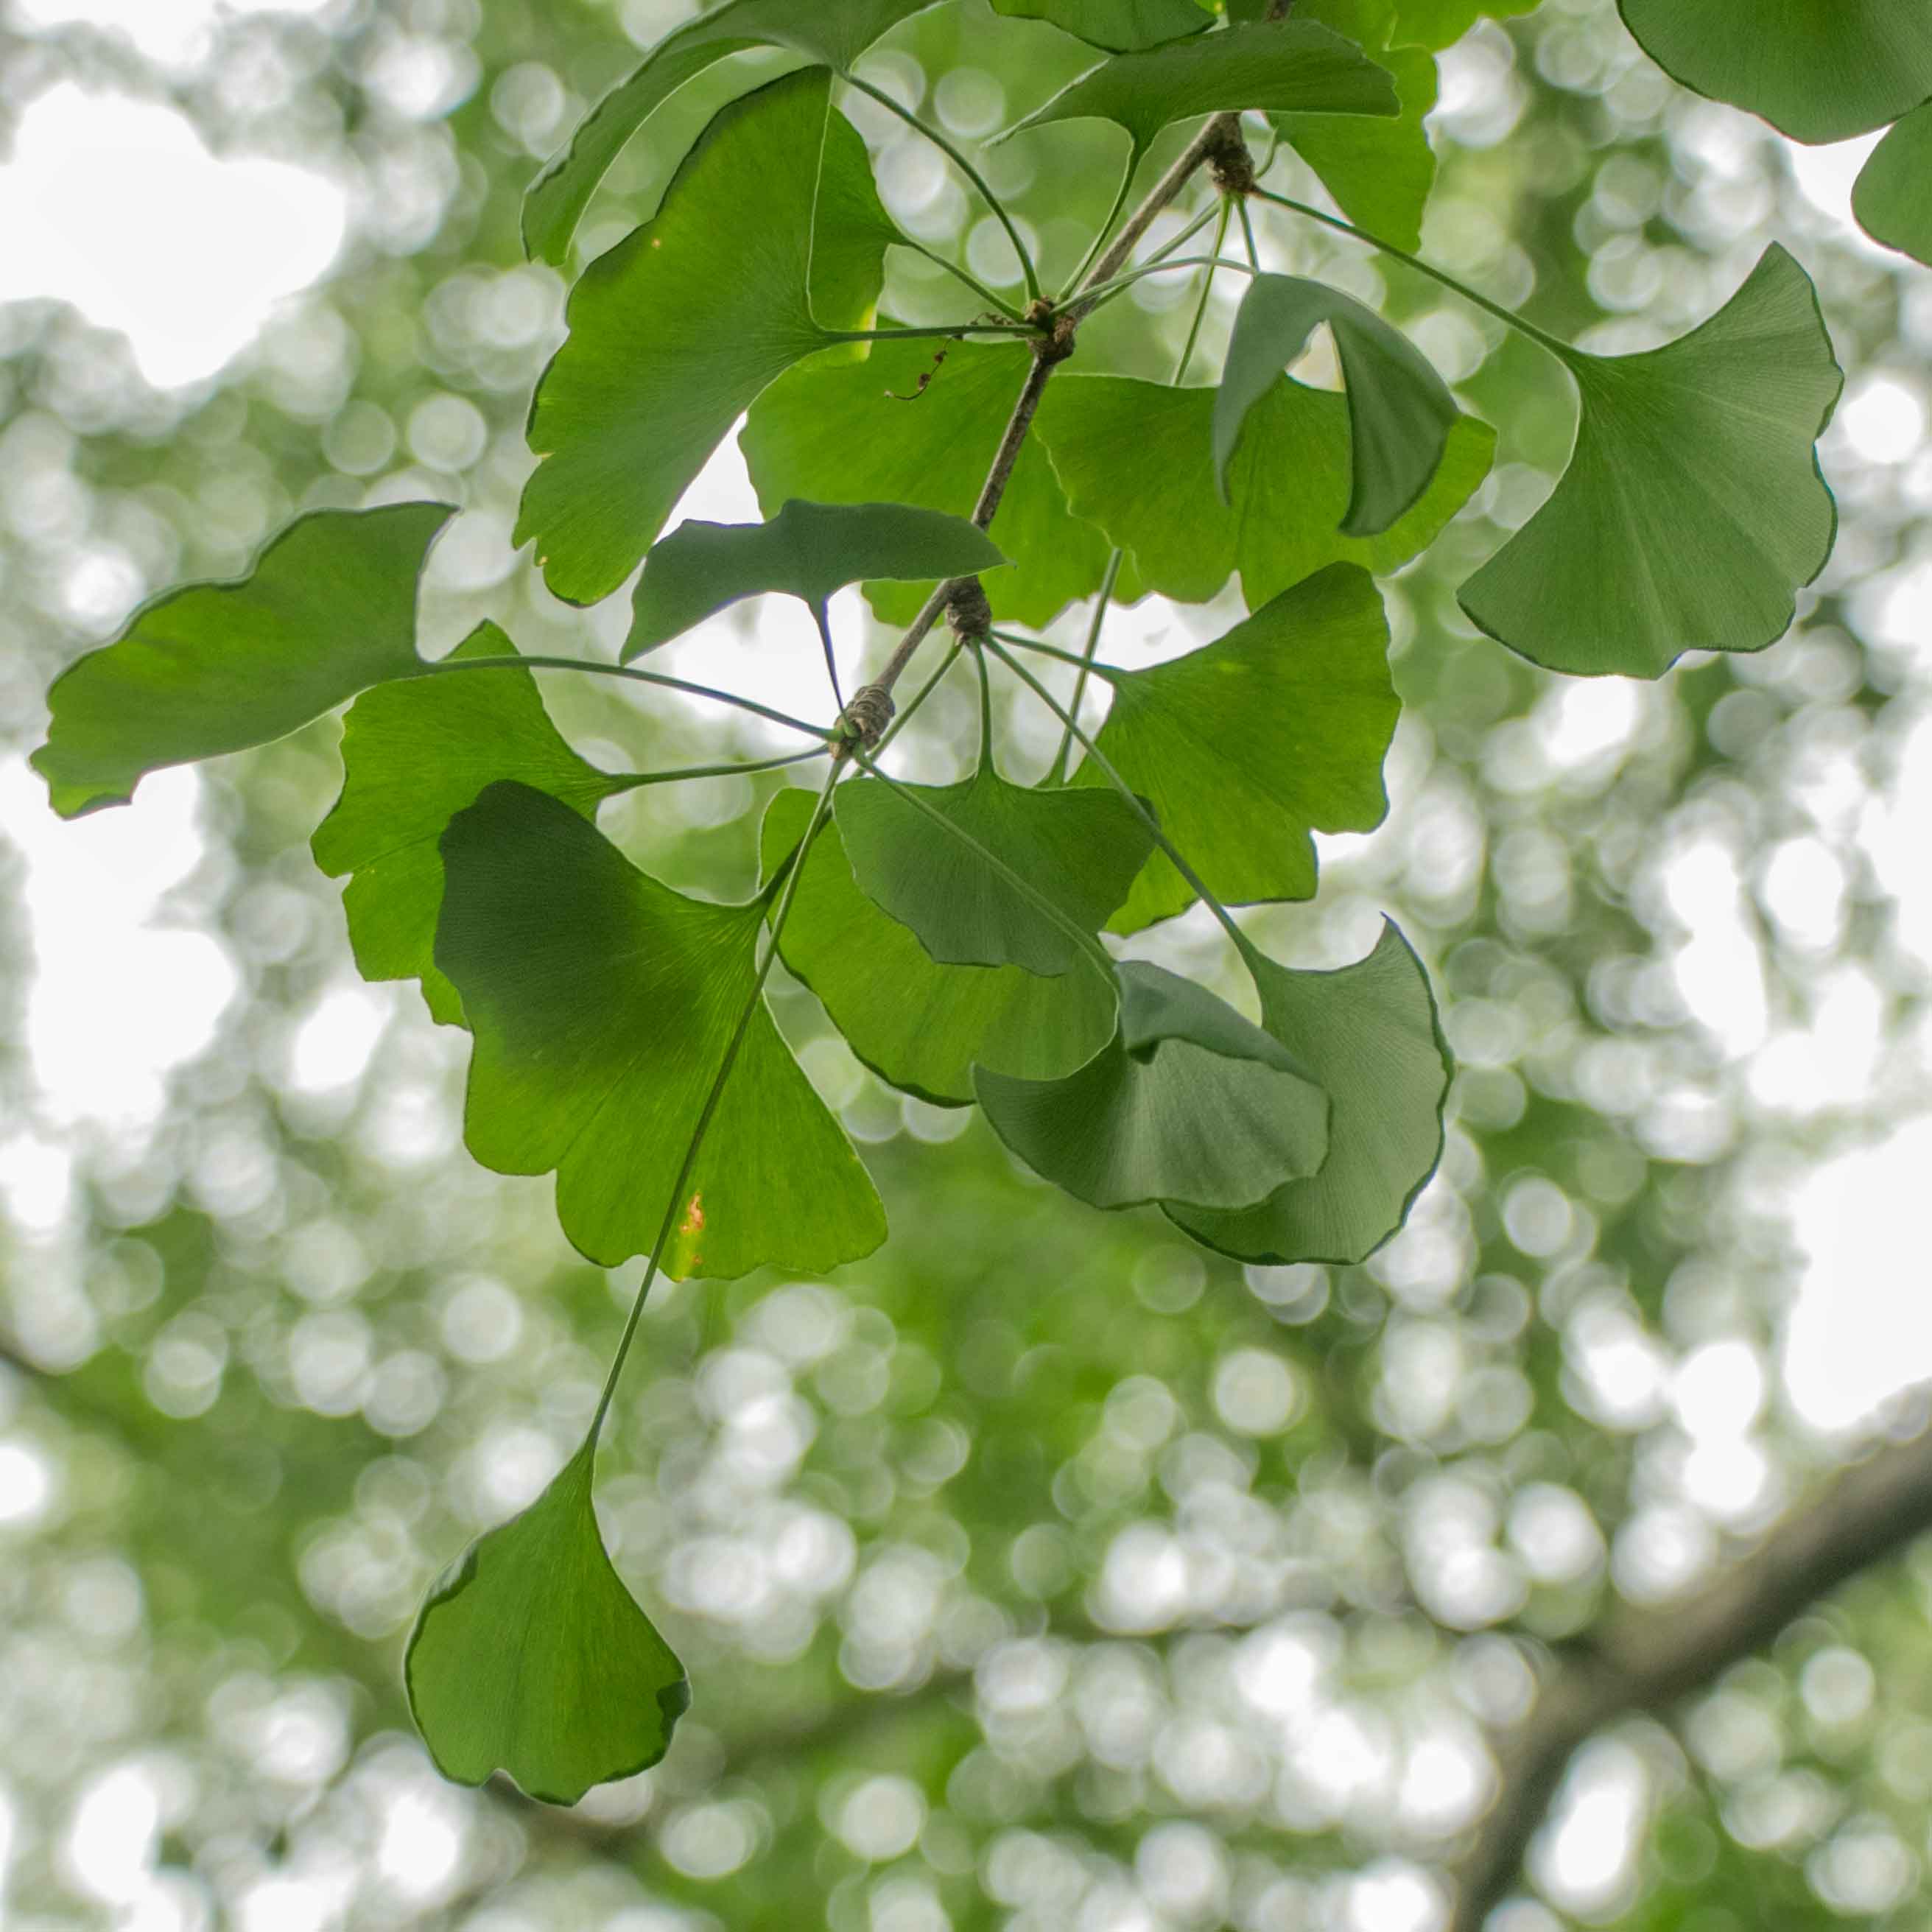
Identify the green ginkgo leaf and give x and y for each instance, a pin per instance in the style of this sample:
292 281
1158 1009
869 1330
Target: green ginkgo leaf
1137 459
918 1025
1028 874
1247 746
1368 1034
1892 197
413 755
1400 411
1380 171
1818 70
1429 24
868 433
808 550
1120 26
1293 66
1190 1102
328 609
832 36
1693 509
603 1004
530 1657
675 332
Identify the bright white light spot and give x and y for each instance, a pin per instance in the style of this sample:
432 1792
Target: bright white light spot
26 1484
176 32
1884 419
115 205
1717 970
1719 1389
1825 176
421 1843
1583 1859
881 1819
1255 1392
110 1844
1861 1329
332 1046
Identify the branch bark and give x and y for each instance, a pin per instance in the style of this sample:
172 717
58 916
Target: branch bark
1648 1659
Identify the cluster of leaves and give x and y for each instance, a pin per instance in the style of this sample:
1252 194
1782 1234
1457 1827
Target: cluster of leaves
954 934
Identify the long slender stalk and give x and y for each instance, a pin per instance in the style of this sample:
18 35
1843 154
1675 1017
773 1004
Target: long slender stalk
925 691
635 780
927 331
1057 771
1079 661
992 301
1100 234
1127 277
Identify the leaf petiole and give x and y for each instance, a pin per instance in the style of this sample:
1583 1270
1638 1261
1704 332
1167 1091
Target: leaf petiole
960 274
634 781
1057 771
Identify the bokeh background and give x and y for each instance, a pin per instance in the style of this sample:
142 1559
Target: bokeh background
1041 1572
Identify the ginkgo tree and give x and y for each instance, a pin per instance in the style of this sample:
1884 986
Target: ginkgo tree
978 477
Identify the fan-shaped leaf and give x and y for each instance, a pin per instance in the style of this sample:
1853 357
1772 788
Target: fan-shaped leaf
675 330
830 36
1137 459
918 1025
530 1657
1121 26
1190 1102
1294 66
1820 69
1368 1033
808 549
1246 746
413 755
1892 197
1034 869
843 435
1400 411
329 610
1394 23
1693 509
603 1004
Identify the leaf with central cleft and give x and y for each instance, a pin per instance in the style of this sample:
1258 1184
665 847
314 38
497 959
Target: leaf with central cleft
770 240
413 755
918 1025
1247 746
328 609
1120 26
1368 1033
602 1003
808 550
1400 411
1892 197
1138 459
868 432
1294 66
530 1657
1693 509
1188 1103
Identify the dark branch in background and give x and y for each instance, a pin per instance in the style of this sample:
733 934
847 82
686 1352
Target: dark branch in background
1647 1661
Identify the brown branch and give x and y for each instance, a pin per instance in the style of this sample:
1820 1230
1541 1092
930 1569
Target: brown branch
1648 1659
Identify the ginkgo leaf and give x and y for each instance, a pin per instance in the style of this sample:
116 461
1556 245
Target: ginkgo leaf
413 755
918 1025
1190 1102
844 435
602 1004
1892 197
1428 24
1400 411
1137 459
1121 26
530 1657
328 609
1294 66
828 36
808 549
1034 870
674 332
1818 70
1368 1034
1380 171
1693 509
1247 746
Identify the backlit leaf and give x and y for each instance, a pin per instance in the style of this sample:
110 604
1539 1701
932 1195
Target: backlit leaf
808 549
602 1003
1137 459
1245 747
1121 26
1892 197
1430 24
842 435
1190 1102
329 610
530 1657
1368 1034
1693 509
413 755
1820 69
675 332
1294 66
1400 411
918 1025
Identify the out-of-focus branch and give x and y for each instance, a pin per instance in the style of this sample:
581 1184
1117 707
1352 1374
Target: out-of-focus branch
1645 1660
